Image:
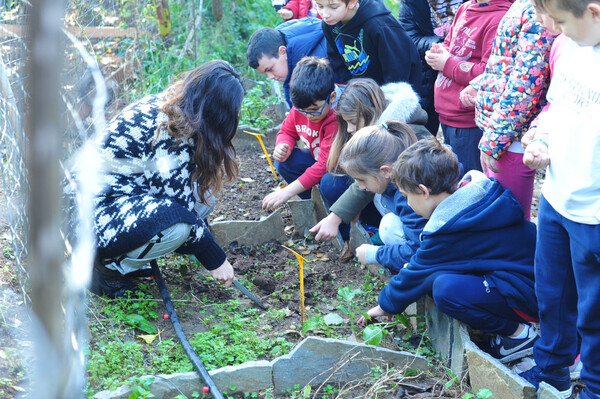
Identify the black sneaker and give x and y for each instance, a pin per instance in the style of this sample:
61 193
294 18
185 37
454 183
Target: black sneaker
110 283
559 379
507 349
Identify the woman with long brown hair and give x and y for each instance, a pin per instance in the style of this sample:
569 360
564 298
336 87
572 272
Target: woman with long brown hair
163 158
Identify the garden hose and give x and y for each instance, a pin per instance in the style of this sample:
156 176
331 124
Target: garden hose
212 387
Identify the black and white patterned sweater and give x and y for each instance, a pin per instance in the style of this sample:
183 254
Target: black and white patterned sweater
145 186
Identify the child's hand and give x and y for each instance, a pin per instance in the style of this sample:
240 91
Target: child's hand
286 14
276 198
361 253
282 152
467 96
327 228
488 163
536 154
437 58
373 313
436 47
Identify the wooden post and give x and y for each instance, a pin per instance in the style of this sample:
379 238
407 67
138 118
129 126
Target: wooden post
217 9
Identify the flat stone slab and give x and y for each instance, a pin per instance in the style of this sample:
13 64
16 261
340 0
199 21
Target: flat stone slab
487 372
303 215
311 362
249 232
317 360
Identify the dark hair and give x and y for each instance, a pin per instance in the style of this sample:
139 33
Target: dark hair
264 42
374 146
204 107
362 98
312 81
427 162
575 7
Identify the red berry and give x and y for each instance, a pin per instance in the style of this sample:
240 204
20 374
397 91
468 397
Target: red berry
205 389
166 316
151 277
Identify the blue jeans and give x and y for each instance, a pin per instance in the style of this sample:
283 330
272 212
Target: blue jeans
567 284
465 144
299 160
331 188
465 298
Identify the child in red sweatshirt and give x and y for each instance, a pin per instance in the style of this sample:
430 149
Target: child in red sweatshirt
311 120
461 58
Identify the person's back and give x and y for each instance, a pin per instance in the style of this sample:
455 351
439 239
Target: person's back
276 51
367 41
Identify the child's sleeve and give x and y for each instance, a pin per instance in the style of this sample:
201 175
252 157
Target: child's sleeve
288 134
524 88
351 203
314 173
462 71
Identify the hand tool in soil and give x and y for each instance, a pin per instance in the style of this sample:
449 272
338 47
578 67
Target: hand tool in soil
246 292
212 387
301 260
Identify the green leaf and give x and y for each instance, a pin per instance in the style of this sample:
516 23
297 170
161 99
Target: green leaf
141 323
347 293
333 319
372 335
403 319
485 393
310 324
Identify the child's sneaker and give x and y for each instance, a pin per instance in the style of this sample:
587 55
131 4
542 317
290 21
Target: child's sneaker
528 362
507 349
559 379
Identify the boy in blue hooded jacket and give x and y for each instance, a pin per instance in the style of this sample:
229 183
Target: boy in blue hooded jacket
476 253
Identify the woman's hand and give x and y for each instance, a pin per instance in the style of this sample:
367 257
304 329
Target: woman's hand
327 229
224 274
373 313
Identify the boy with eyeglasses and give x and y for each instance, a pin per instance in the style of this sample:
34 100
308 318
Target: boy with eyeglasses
311 120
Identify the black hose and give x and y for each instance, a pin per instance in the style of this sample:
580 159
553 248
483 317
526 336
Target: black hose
181 335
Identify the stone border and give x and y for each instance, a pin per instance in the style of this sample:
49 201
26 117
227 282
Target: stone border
312 362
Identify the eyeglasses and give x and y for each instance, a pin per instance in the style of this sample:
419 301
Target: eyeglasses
319 112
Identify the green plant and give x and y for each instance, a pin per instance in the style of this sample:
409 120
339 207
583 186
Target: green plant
140 387
252 106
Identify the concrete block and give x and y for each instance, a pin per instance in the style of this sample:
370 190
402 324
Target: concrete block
249 232
487 372
316 360
241 139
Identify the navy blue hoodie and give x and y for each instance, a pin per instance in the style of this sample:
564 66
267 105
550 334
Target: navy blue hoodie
478 230
373 45
303 37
